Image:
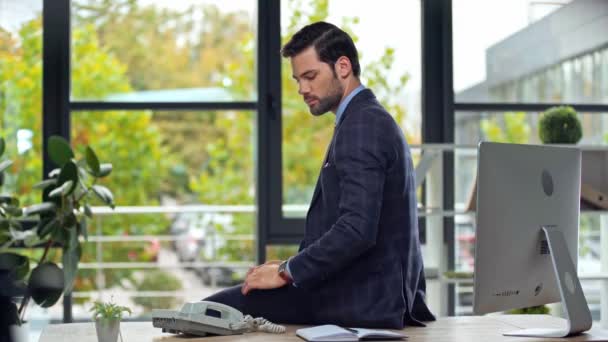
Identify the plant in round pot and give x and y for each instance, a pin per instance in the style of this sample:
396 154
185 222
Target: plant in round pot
61 221
560 125
107 316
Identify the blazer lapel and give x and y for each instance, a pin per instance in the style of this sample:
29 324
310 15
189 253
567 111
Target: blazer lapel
363 95
317 191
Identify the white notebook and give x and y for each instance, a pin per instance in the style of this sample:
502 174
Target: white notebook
330 332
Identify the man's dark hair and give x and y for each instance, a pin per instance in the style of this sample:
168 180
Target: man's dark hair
329 41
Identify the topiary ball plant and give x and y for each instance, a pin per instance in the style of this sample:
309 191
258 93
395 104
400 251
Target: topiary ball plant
560 125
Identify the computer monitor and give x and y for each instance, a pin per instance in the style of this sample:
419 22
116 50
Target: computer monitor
528 204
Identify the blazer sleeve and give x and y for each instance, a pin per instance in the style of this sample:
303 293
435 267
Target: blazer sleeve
361 159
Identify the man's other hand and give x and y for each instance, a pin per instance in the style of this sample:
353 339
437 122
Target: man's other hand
263 277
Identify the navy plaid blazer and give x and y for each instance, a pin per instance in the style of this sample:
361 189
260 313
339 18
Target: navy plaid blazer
360 258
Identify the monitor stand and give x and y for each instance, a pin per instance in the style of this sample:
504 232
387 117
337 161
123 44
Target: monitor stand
578 317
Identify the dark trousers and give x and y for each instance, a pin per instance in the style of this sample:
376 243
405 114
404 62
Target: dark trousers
285 305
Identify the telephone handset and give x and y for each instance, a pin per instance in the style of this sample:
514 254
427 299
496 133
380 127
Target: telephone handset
204 318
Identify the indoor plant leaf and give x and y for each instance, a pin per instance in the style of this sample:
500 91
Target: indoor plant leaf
45 183
92 161
104 169
5 165
88 211
63 190
104 194
59 150
69 172
46 284
42 208
54 173
18 265
71 256
46 226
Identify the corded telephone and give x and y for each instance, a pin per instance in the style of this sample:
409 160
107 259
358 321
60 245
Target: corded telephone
204 318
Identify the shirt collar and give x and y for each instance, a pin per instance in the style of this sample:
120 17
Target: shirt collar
346 101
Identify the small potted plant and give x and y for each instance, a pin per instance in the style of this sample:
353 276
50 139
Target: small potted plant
107 316
560 125
59 222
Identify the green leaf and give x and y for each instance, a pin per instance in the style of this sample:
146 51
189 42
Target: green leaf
46 284
104 194
17 265
2 146
87 211
69 172
8 199
41 208
45 183
92 161
12 209
59 150
71 256
63 190
46 226
105 169
61 235
31 239
5 165
54 172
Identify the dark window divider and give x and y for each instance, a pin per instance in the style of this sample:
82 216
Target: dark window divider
530 107
55 89
102 106
438 107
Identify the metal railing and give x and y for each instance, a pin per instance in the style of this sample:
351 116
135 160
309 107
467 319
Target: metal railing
99 265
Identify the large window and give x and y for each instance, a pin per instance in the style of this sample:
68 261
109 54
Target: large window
390 68
179 95
510 61
164 91
21 94
177 51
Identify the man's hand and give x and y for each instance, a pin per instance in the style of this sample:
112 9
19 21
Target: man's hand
263 277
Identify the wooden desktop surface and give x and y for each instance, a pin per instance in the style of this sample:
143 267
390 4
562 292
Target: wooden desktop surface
466 329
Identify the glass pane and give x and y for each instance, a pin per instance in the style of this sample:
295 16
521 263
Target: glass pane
172 157
21 95
390 68
525 51
512 127
163 161
174 51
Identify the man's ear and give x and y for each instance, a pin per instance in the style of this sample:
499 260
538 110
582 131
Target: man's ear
343 67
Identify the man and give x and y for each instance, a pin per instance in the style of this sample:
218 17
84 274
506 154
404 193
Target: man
360 262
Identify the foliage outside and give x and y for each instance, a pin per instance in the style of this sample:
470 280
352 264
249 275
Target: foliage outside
157 280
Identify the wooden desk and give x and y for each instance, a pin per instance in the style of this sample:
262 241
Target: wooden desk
476 328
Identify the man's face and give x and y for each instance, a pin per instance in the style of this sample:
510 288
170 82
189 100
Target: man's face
317 82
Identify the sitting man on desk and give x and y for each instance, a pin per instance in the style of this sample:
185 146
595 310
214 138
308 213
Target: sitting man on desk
360 262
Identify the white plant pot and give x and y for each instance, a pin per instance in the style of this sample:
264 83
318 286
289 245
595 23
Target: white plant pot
20 333
107 330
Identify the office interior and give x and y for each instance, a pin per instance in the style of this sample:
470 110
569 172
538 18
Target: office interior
215 156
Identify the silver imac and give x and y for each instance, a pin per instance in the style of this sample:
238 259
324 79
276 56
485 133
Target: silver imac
528 204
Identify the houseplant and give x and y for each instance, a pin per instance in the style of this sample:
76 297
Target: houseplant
560 125
107 316
62 219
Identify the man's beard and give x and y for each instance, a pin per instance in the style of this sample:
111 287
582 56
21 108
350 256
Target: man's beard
332 100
